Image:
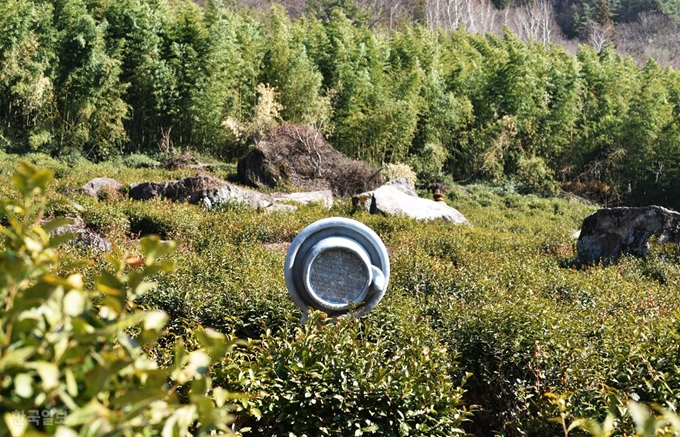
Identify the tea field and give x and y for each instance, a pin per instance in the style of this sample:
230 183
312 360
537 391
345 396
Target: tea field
489 329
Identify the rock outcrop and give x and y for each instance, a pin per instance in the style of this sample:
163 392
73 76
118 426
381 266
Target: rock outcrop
211 192
232 194
397 197
179 190
93 187
84 238
298 156
323 197
611 232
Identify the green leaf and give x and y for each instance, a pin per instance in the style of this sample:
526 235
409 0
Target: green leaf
214 342
57 223
160 267
58 240
33 245
16 358
110 284
114 289
32 297
16 423
591 426
71 383
155 320
221 396
199 388
134 400
48 372
42 178
93 411
75 303
645 423
199 363
23 385
63 431
143 288
153 247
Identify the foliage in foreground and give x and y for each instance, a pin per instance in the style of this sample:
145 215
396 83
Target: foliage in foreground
71 357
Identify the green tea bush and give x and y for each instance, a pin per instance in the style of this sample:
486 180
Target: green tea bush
108 221
536 177
543 342
348 378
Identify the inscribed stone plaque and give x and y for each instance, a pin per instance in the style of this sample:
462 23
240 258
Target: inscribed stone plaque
338 276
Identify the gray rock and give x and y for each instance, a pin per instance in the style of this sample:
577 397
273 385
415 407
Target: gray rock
208 191
611 232
402 184
93 187
234 194
180 191
392 199
84 238
324 197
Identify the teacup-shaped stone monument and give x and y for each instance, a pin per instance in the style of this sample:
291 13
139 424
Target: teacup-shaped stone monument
337 265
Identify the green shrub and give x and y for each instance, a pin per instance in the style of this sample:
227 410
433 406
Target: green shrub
536 177
106 220
397 171
81 366
352 378
503 299
139 160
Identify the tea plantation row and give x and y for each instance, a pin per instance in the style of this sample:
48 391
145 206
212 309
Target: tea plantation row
490 329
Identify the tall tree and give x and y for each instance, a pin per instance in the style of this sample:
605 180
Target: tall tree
26 86
288 68
88 88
